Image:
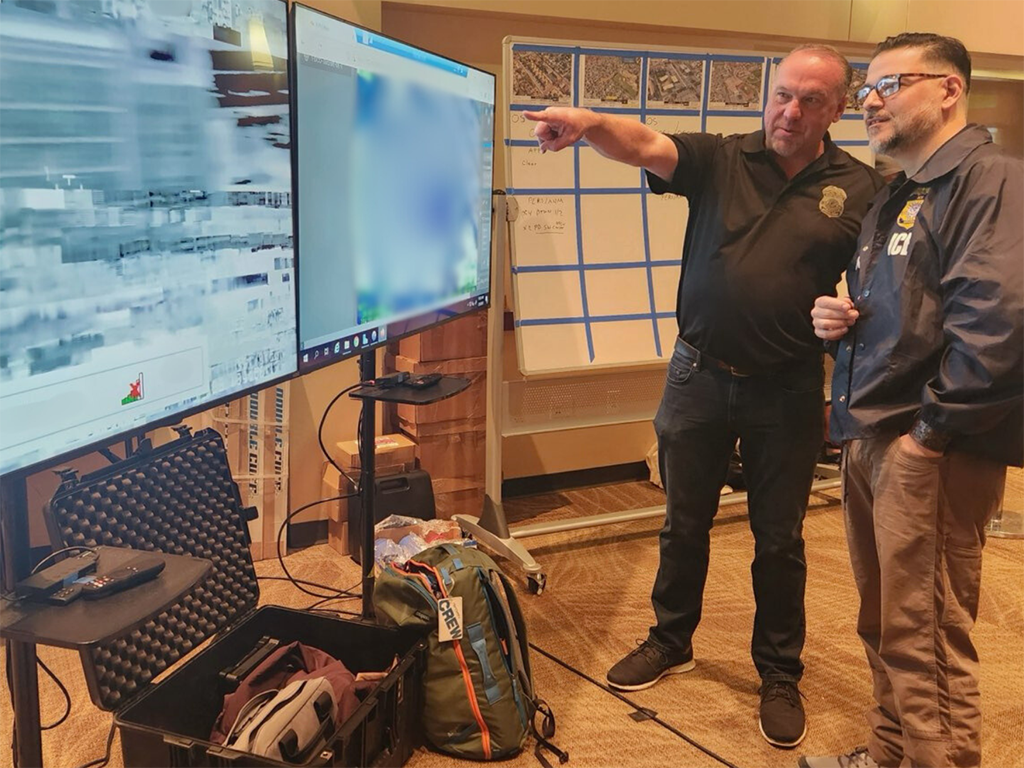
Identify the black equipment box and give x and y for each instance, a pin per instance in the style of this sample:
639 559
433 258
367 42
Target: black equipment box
410 494
181 499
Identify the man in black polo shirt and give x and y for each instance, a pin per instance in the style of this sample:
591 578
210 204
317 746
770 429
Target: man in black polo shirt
773 219
928 398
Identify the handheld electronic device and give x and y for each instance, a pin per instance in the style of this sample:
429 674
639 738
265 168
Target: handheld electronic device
423 380
138 570
46 582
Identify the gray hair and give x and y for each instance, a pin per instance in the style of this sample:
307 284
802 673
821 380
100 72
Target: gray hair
832 53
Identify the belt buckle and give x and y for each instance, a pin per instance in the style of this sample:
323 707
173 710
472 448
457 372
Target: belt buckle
738 374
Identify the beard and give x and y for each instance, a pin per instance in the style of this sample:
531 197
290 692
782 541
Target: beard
906 130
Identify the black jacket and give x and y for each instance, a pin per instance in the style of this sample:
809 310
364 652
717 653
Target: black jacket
938 278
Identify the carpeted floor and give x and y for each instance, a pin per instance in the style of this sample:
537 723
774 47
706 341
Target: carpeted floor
597 605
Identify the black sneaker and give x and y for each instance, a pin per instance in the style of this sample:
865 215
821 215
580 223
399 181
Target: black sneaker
646 665
783 723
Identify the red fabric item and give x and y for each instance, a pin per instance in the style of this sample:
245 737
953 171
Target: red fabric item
285 665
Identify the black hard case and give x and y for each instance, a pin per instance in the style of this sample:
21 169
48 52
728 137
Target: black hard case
181 499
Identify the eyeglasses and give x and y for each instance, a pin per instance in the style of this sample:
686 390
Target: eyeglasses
886 86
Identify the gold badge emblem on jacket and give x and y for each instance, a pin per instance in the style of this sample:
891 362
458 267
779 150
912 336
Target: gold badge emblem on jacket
833 202
909 213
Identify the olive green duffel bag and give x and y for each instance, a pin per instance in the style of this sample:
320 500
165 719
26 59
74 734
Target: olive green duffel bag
479 701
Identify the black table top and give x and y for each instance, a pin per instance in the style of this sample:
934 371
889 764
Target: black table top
89 622
448 386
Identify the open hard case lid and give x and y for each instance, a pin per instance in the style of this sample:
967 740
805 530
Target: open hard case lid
179 499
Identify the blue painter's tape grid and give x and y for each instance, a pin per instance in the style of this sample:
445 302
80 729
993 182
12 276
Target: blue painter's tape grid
592 319
704 97
767 80
571 191
644 64
587 318
594 266
579 212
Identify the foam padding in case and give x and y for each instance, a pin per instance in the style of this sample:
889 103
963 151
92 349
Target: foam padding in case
179 499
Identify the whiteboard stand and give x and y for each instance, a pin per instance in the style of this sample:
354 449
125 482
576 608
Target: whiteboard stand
491 528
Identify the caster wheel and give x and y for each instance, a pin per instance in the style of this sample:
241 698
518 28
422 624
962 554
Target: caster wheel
536 583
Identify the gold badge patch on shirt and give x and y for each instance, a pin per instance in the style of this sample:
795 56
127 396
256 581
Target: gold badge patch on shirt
909 213
912 207
833 202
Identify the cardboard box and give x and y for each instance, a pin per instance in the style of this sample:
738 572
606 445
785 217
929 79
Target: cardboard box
390 451
333 484
454 456
255 430
468 404
337 536
465 337
432 429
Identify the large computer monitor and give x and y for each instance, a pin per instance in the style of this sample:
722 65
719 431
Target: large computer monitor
146 264
394 150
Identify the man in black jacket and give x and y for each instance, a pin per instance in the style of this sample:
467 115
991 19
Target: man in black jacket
773 218
928 397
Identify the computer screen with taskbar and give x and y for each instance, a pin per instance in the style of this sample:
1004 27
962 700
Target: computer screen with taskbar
146 265
394 150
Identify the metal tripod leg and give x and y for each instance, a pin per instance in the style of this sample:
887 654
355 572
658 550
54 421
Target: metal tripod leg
491 530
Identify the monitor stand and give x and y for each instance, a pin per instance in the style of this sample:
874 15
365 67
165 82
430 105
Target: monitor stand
448 386
15 553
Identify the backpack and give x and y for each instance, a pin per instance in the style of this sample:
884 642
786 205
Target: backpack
479 701
292 724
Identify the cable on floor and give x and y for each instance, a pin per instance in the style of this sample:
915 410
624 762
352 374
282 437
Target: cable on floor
99 762
280 556
650 715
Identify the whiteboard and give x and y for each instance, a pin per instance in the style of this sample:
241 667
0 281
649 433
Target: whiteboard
596 256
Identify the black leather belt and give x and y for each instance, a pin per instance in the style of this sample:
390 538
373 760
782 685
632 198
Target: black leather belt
702 360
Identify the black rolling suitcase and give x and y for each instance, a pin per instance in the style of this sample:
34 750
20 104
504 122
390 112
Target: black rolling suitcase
181 499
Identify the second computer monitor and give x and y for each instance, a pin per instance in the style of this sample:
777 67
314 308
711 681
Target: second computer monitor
394 149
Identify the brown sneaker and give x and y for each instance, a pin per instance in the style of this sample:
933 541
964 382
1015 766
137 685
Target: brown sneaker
646 665
783 723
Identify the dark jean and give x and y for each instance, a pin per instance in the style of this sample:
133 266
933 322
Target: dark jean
779 421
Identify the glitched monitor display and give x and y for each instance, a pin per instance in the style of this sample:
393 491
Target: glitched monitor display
146 262
394 150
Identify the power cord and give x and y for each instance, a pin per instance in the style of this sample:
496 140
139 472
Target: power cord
389 380
64 693
647 712
348 596
320 433
304 582
99 762
280 556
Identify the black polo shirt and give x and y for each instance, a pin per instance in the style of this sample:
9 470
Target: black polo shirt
759 249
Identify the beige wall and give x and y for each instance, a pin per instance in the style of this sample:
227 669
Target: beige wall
829 19
365 13
990 26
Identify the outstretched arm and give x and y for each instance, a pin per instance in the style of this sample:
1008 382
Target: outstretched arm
617 138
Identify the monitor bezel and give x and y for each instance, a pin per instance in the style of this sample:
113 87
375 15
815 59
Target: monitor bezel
170 420
301 368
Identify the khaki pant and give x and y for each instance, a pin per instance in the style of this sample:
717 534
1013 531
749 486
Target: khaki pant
916 529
